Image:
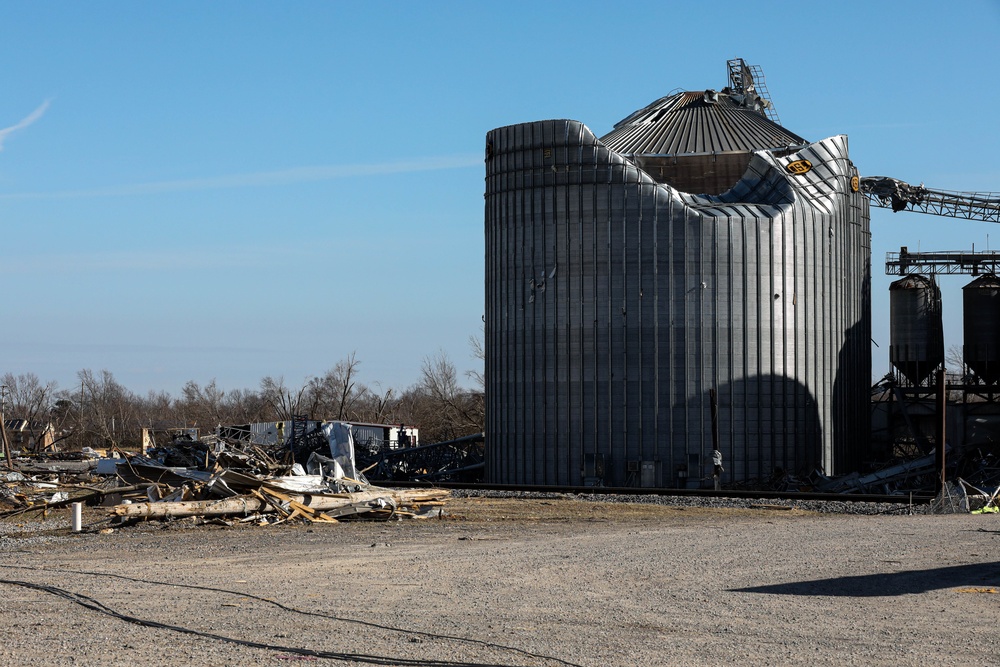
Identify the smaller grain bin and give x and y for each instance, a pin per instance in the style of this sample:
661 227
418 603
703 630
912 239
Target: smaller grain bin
916 336
981 315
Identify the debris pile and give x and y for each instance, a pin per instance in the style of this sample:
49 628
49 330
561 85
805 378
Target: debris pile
459 460
961 497
221 480
48 482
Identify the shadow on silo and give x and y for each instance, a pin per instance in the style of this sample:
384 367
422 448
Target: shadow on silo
768 425
852 402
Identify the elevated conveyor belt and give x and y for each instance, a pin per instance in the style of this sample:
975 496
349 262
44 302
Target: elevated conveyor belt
892 193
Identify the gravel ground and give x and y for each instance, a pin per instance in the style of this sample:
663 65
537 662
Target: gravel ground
496 580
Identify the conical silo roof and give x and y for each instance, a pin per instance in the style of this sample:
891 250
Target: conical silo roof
698 123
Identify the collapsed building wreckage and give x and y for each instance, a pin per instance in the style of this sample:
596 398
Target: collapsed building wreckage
382 452
219 479
319 473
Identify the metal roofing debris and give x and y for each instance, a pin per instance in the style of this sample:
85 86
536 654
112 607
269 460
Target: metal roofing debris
247 483
961 497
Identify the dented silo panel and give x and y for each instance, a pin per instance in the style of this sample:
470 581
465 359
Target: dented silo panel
615 302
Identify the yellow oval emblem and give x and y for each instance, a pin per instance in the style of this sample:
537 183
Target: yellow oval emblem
855 183
799 167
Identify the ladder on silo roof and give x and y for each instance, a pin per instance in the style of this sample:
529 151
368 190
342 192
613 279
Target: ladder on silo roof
745 78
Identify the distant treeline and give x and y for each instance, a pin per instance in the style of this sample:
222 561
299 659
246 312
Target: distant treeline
99 412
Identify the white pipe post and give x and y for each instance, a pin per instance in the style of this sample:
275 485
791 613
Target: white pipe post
77 517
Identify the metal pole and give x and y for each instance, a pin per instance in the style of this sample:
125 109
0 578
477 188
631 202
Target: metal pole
714 399
942 426
716 469
79 420
3 428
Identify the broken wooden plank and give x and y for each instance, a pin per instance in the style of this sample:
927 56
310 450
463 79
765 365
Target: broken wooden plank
330 506
241 505
299 510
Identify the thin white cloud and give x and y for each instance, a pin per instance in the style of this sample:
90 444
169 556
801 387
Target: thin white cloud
150 260
28 120
263 179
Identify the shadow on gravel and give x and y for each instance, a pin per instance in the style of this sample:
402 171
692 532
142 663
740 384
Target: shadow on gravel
889 583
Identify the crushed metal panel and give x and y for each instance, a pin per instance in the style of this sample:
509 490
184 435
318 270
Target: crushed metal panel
341 441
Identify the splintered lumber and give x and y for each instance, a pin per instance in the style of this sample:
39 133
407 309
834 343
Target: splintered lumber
224 507
298 509
251 504
410 496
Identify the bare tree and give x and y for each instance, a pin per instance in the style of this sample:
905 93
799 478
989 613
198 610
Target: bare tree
954 359
244 406
478 375
203 407
64 415
439 405
29 399
282 403
158 409
335 395
109 412
377 408
101 412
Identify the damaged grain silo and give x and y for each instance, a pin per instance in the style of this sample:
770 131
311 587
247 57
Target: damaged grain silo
618 300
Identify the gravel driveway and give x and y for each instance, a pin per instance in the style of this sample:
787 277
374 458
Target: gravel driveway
510 582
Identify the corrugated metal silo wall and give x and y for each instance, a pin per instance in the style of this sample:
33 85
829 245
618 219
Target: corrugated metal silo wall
916 331
614 304
981 322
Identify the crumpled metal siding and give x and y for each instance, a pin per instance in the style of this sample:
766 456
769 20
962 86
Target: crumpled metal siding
615 303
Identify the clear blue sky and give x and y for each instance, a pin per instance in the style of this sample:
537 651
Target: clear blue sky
228 190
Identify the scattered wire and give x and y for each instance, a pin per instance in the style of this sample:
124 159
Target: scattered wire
100 607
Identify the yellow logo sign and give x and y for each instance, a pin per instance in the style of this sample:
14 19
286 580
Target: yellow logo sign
799 167
855 183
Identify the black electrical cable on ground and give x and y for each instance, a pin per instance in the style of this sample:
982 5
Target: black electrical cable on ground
97 606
